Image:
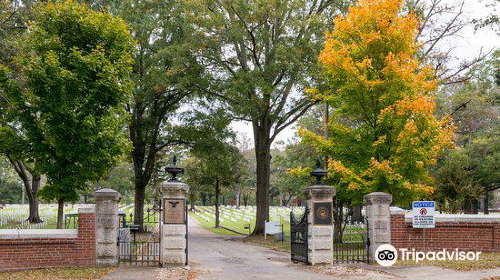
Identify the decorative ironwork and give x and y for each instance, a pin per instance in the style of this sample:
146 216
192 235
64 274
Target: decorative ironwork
298 236
137 248
140 249
355 244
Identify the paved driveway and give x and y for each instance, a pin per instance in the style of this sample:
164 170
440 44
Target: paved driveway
216 257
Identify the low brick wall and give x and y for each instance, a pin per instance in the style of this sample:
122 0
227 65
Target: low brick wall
24 249
465 232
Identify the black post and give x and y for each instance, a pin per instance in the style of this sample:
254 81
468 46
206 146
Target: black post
282 234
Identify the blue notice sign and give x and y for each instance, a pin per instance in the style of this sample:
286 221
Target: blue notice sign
423 214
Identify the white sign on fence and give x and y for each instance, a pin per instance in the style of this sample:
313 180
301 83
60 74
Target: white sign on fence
423 214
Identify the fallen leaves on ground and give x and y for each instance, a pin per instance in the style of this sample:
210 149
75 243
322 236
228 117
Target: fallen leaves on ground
486 261
173 273
348 272
71 273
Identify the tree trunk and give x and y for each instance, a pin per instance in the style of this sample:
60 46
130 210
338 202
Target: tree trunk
192 198
217 220
30 189
470 206
34 216
140 195
238 197
486 209
263 157
338 221
60 213
203 199
245 200
325 131
357 215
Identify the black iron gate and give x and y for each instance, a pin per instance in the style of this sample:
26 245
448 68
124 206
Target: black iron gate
140 248
298 236
352 244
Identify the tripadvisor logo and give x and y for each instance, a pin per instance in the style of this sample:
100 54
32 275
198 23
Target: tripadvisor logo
387 255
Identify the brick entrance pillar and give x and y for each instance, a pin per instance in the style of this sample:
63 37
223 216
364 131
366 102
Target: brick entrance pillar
173 223
379 220
320 220
107 227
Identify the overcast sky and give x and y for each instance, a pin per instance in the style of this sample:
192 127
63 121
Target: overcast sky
466 45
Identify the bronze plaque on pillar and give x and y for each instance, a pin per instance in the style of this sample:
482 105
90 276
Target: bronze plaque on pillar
174 211
323 213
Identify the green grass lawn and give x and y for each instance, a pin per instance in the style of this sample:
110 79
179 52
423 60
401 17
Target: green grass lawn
239 225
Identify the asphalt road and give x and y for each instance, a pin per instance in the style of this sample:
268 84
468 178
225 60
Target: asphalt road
214 257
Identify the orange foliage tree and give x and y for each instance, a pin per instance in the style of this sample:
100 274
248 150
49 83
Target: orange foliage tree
383 135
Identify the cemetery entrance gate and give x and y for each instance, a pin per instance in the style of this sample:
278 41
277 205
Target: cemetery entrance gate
298 237
352 243
136 247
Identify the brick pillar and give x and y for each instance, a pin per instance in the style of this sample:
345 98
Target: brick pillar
173 247
320 223
107 227
379 220
86 237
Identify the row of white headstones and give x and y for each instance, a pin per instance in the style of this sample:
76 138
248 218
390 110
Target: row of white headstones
17 214
245 214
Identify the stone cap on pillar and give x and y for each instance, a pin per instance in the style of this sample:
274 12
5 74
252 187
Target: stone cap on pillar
107 194
377 197
174 187
86 210
319 191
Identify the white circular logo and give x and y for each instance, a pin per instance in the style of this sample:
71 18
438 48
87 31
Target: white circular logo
386 255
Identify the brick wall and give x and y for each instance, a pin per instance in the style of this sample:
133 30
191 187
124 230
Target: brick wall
466 234
45 251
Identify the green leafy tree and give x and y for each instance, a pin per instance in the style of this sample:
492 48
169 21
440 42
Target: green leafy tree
121 178
292 155
469 173
260 55
75 65
219 167
383 135
10 186
163 72
214 159
13 17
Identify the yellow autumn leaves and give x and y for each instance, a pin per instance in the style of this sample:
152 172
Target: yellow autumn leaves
371 67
